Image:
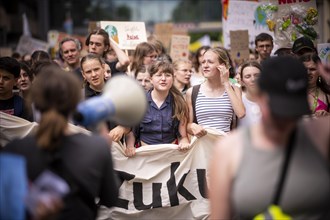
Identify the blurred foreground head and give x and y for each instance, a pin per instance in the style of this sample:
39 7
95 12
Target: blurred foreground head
55 89
285 80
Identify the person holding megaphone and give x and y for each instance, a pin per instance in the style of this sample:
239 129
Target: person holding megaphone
93 69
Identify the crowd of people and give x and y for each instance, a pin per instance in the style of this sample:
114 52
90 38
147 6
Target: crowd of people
261 103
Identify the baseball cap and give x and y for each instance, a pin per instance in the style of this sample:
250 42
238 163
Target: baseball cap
285 80
303 43
11 65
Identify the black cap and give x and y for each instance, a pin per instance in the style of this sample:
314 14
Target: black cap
303 43
285 80
11 65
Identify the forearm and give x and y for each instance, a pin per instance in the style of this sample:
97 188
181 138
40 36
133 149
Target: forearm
236 101
123 59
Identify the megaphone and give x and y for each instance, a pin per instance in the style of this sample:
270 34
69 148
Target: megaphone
123 101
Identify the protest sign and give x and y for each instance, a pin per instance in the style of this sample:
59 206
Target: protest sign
126 34
324 52
179 47
29 45
239 44
163 32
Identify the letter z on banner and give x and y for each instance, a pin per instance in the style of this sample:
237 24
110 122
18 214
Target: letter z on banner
160 182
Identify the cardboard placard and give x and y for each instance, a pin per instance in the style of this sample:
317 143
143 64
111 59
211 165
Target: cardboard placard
126 34
163 32
180 47
239 44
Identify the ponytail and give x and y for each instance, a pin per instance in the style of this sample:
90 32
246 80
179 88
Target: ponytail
51 129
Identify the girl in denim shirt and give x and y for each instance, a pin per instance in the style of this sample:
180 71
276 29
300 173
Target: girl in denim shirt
166 118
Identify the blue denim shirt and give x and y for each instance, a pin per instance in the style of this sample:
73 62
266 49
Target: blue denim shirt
158 126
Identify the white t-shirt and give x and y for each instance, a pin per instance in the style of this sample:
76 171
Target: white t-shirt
252 112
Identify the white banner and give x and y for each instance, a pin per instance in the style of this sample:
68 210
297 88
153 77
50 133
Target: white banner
159 182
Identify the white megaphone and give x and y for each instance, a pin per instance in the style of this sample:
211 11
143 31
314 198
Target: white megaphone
123 101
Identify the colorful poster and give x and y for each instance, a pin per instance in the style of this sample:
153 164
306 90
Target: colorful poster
127 34
244 15
290 20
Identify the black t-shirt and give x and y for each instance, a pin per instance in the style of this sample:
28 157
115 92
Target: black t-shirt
114 71
16 106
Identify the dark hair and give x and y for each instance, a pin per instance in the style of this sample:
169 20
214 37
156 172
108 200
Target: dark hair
74 40
55 93
11 65
141 50
198 54
25 66
249 64
157 44
16 55
105 36
316 59
40 55
263 37
37 67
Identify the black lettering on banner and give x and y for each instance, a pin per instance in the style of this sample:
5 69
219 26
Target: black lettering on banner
123 203
173 189
138 196
201 178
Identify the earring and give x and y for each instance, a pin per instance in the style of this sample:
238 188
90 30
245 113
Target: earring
320 79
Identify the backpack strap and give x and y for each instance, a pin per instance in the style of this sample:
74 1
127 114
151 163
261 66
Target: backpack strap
194 94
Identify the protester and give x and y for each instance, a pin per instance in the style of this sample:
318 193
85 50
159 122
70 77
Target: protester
197 77
99 42
160 48
246 168
302 46
144 54
215 102
11 103
318 97
93 69
143 77
166 118
25 80
107 72
264 46
82 161
182 75
250 72
69 49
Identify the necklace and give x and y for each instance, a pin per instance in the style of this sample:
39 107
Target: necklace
315 100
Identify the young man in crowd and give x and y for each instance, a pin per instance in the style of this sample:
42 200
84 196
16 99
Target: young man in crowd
11 103
264 46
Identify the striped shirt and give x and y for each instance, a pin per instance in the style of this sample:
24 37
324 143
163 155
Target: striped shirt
214 112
